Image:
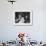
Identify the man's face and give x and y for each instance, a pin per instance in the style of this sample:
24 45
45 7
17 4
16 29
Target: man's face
20 16
26 16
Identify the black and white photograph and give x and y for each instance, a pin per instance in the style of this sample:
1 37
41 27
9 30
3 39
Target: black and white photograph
23 18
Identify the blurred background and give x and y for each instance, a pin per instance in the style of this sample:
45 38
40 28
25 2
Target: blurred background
8 30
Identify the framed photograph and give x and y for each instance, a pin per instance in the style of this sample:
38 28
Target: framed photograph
23 18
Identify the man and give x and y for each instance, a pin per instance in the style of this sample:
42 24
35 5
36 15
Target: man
27 19
20 19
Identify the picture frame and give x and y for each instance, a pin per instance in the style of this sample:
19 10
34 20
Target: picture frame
23 18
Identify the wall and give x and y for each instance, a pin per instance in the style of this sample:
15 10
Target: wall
9 31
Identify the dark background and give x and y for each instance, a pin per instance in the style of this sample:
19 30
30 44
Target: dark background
24 14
